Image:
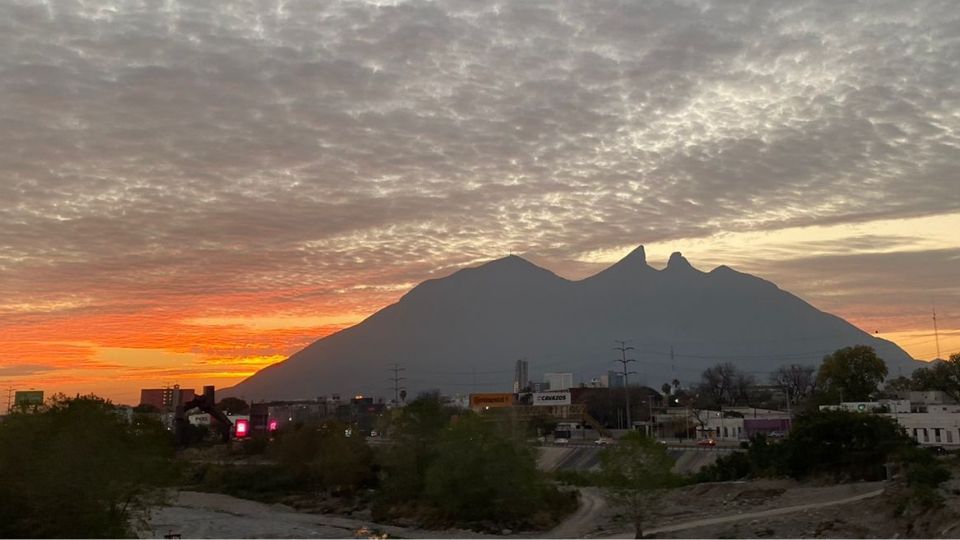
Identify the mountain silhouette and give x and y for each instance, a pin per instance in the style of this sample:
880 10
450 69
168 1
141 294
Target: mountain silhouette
462 333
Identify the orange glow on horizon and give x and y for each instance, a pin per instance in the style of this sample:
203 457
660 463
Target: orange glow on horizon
114 352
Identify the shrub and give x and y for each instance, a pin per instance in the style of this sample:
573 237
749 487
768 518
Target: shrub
75 468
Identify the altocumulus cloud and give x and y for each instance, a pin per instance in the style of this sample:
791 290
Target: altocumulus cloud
271 144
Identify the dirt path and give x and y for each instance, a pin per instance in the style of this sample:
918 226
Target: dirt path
211 515
585 519
707 522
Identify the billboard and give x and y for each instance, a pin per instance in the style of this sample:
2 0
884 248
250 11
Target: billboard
492 400
544 399
28 397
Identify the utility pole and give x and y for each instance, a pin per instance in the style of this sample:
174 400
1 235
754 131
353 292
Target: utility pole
9 398
936 333
396 369
626 374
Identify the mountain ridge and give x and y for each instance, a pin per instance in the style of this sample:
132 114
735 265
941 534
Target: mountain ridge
482 318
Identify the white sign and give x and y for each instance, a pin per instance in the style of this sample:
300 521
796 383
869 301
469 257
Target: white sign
545 399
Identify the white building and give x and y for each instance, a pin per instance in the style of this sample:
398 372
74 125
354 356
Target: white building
558 381
934 420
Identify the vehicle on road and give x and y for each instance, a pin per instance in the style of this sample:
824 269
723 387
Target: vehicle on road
603 441
706 442
561 440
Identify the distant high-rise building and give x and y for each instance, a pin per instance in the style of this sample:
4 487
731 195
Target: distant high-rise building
558 381
520 378
166 398
614 379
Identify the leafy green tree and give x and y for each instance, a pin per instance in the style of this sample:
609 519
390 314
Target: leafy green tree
232 405
846 445
77 469
898 385
481 474
415 433
852 373
324 456
943 376
633 472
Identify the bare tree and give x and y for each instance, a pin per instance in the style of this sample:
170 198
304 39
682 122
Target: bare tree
799 382
725 384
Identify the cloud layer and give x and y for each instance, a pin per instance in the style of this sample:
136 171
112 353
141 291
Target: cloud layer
262 157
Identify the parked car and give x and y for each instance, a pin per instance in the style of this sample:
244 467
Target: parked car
561 440
706 442
603 441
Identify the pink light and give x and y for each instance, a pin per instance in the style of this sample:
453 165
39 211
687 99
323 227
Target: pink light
241 428
273 425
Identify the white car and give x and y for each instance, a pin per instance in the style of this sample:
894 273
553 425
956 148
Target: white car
603 441
561 440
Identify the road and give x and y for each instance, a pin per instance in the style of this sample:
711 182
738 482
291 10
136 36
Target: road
585 519
706 522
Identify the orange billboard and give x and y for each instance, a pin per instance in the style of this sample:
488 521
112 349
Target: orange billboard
491 400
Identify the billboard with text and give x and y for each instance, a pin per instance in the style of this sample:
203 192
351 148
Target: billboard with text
544 399
491 400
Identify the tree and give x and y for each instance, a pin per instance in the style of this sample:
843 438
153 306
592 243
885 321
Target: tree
854 373
232 405
481 474
797 381
724 384
898 385
77 469
146 408
666 388
939 376
415 432
325 456
845 444
633 471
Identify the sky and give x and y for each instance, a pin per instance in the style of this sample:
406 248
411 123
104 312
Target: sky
193 190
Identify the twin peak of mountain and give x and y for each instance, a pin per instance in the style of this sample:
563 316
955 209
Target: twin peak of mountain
634 262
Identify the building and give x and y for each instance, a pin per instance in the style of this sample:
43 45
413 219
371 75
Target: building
614 379
27 398
932 420
166 399
741 423
520 376
266 417
558 381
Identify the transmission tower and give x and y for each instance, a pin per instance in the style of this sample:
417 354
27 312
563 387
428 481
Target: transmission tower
626 374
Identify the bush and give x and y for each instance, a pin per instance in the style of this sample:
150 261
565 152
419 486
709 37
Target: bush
845 445
325 456
481 475
577 478
266 483
75 468
446 470
761 458
733 466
